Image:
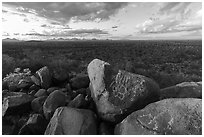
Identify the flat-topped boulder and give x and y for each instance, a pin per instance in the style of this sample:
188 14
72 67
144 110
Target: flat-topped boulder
179 116
118 93
182 90
16 103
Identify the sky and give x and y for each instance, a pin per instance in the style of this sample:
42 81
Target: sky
102 20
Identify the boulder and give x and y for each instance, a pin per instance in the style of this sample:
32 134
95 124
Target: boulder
51 89
78 102
35 125
44 76
71 121
118 93
37 104
178 116
41 92
54 100
183 90
34 87
80 81
59 75
16 103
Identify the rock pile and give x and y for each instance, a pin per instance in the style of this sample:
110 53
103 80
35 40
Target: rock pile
105 101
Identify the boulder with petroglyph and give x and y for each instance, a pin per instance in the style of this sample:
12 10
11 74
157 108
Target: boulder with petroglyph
118 93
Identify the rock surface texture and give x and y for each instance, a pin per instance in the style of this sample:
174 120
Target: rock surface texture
117 94
166 117
71 121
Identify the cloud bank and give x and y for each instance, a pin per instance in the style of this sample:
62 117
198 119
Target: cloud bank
64 11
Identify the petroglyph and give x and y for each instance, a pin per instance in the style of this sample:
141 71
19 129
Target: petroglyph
124 85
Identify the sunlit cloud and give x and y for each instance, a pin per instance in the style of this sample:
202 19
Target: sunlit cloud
46 20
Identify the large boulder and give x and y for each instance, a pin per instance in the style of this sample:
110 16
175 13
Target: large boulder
183 90
43 77
16 103
17 80
80 81
118 93
181 116
35 125
54 100
71 121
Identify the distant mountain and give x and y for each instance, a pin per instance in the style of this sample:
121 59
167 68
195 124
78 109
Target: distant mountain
10 40
34 41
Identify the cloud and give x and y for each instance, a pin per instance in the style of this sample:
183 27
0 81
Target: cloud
55 23
34 34
114 27
26 20
5 34
173 7
88 31
72 33
64 11
4 11
44 25
173 17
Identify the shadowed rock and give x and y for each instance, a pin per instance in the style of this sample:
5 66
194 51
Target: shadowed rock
71 121
54 100
80 81
16 103
37 104
35 125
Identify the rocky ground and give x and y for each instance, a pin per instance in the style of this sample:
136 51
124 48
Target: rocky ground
104 102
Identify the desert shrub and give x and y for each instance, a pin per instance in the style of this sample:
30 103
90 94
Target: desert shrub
61 62
8 64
